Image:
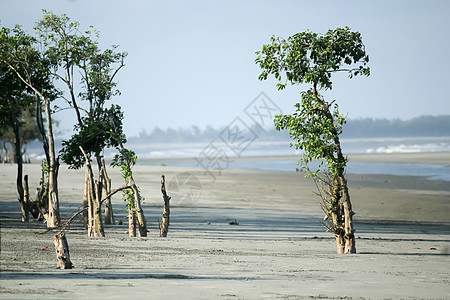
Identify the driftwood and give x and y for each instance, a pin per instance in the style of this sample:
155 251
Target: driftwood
235 222
164 227
62 251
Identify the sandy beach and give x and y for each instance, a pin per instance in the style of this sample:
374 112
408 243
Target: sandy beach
279 250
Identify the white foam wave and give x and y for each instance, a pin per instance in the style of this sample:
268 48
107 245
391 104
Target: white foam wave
414 148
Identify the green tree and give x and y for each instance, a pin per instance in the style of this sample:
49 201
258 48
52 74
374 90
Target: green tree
315 126
18 54
75 51
126 159
15 104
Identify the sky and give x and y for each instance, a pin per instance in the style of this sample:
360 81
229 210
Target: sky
192 62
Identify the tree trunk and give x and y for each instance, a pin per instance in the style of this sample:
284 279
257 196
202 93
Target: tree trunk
98 230
53 204
19 161
139 212
2 156
346 230
350 243
40 124
131 223
164 228
336 216
90 209
38 208
109 214
95 224
343 225
106 185
62 252
87 214
341 212
345 207
340 244
26 199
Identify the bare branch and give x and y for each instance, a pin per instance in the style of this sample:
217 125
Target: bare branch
66 224
116 71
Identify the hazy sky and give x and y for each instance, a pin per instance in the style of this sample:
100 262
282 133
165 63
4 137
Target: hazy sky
192 62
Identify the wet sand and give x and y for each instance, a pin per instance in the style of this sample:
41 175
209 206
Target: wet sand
279 249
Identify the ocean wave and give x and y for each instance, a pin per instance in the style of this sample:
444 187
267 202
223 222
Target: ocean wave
261 147
415 148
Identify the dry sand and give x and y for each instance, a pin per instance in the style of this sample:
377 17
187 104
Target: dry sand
279 249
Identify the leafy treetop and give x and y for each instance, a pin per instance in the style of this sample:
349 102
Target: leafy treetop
308 57
312 58
72 50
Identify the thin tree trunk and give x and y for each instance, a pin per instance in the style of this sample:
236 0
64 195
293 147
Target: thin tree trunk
137 204
346 231
340 244
19 161
350 242
95 224
131 223
6 153
40 124
62 252
87 214
98 229
26 198
343 225
53 216
109 214
39 207
106 185
164 228
53 205
336 216
90 209
345 207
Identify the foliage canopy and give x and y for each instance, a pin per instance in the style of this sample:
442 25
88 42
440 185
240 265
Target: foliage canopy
312 58
308 57
72 50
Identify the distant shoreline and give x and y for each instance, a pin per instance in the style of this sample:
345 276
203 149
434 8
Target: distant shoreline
434 166
437 158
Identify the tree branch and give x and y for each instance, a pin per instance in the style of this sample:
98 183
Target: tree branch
116 71
67 223
60 77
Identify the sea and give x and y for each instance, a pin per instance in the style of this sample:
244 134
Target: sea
279 155
265 155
